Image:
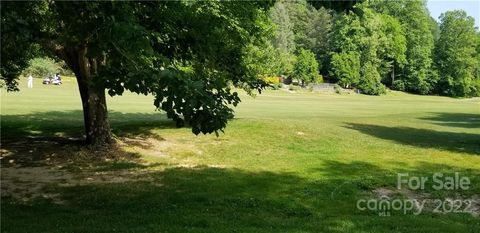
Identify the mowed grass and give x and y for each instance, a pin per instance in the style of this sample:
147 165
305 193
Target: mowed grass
288 162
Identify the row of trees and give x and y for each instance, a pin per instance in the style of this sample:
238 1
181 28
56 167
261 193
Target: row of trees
299 40
377 44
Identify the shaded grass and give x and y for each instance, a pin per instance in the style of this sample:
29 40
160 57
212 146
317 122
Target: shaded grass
451 141
455 119
221 200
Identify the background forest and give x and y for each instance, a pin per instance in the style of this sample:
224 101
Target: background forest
373 45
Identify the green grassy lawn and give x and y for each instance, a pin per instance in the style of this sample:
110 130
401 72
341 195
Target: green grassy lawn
288 162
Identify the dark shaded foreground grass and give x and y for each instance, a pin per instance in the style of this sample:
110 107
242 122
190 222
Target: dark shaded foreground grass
203 199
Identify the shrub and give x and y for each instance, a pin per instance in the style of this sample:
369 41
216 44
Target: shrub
275 86
337 88
398 85
370 81
319 79
272 80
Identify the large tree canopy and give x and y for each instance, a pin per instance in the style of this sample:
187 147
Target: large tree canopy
456 55
419 75
187 54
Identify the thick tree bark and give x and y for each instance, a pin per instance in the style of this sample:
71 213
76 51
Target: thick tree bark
95 113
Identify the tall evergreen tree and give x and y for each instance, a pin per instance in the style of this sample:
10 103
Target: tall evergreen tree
284 38
301 26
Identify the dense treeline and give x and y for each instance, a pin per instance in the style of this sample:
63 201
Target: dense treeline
374 45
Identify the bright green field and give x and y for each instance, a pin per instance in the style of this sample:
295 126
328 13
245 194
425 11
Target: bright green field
288 162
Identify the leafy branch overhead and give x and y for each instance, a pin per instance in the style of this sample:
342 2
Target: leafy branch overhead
187 54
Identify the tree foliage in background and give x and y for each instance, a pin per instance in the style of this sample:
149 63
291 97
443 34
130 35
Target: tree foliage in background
16 47
477 66
300 26
316 34
261 60
418 71
456 55
392 49
362 32
306 67
41 67
311 27
284 39
345 67
418 74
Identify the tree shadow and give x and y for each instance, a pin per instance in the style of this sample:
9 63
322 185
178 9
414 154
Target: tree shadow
366 176
424 138
68 125
206 199
460 120
42 137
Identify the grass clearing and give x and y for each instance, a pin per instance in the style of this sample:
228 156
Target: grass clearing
289 162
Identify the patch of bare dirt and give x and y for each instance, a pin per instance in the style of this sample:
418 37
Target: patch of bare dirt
27 183
32 168
467 204
157 146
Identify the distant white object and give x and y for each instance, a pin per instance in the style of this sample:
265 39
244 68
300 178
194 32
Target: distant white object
30 81
46 80
57 80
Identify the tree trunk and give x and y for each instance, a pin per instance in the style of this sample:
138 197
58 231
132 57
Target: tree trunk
393 75
95 113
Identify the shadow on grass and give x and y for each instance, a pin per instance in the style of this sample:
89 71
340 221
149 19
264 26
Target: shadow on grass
425 138
461 120
205 199
40 138
366 176
62 125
